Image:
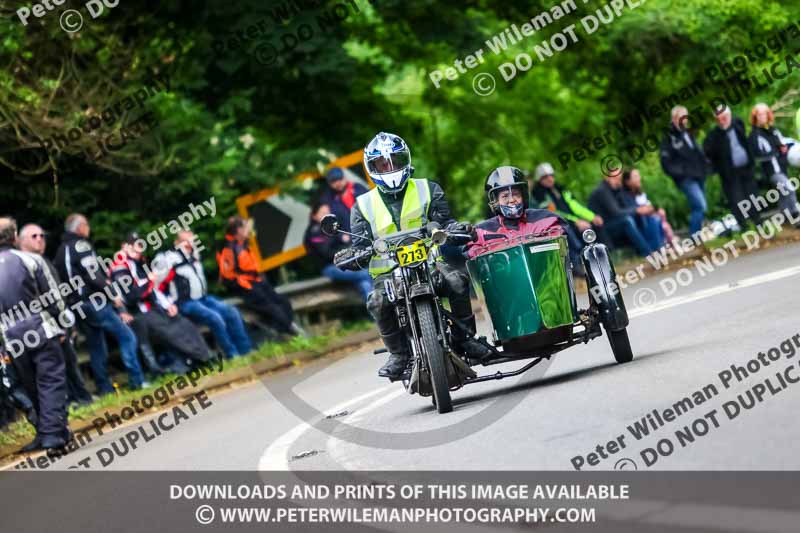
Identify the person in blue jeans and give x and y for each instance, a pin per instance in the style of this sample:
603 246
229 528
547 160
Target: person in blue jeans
683 159
621 214
101 309
321 248
182 280
97 323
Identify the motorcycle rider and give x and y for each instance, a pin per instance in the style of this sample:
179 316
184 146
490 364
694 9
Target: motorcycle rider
399 203
507 191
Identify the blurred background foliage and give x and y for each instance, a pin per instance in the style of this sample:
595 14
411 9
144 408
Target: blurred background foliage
234 122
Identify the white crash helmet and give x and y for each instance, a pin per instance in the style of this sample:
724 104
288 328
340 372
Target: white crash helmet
388 162
794 155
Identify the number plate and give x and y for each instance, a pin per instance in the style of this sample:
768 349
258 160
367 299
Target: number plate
413 253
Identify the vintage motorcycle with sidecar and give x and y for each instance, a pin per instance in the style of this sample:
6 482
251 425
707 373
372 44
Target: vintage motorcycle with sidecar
526 286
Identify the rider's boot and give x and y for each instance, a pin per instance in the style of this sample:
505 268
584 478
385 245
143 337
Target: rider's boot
398 360
464 341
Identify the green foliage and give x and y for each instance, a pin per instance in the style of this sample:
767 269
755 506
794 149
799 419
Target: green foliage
231 125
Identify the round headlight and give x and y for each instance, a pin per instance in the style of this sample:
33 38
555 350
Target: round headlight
589 236
380 246
439 237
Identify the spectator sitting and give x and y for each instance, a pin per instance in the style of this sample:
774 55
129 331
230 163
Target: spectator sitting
323 247
769 152
547 194
76 257
610 201
727 148
33 341
340 195
32 239
657 225
683 160
239 273
155 319
181 278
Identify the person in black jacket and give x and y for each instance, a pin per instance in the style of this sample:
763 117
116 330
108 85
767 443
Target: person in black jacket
619 212
728 150
33 239
683 160
98 313
769 151
32 339
156 321
322 248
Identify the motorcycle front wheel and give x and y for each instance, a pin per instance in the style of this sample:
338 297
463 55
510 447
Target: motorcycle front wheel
435 354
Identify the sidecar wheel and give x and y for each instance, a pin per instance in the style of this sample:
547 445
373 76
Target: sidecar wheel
620 345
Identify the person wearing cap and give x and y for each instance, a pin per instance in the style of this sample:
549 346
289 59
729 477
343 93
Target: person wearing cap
727 148
156 321
547 194
340 195
33 239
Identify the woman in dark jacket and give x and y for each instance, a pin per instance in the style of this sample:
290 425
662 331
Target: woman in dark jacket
769 152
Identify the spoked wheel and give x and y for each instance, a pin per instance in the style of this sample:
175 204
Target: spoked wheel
435 354
620 345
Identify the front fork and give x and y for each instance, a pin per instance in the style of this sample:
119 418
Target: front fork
403 300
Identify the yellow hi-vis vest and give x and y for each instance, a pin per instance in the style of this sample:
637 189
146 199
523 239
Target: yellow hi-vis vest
416 203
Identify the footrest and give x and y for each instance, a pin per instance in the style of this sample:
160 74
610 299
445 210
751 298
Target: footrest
380 351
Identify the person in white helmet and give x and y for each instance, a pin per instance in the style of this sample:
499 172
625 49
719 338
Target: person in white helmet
399 203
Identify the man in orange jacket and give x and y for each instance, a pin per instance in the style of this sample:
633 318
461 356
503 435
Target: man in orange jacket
239 274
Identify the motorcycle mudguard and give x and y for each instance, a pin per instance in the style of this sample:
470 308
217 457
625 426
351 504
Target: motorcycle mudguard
604 291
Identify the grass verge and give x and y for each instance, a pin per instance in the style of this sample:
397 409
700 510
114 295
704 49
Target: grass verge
20 431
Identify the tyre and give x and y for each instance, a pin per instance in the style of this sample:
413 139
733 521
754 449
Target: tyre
436 362
620 345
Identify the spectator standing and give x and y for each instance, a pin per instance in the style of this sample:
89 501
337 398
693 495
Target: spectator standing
239 273
547 194
321 248
76 257
683 160
340 195
181 278
156 321
769 153
32 239
728 150
656 226
33 341
619 211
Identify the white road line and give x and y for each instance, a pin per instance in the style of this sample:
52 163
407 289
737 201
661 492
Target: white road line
275 456
713 291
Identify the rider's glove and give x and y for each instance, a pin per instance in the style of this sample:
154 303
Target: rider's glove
346 255
464 228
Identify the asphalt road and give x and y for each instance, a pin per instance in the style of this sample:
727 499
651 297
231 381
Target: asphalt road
544 419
